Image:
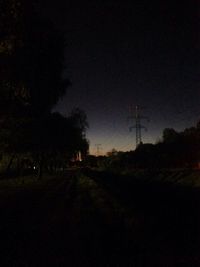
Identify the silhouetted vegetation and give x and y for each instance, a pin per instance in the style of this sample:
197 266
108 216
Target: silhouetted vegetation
31 83
176 150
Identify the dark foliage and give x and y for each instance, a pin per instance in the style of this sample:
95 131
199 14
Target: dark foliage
31 83
176 150
32 60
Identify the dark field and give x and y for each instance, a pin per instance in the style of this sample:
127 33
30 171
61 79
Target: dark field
88 218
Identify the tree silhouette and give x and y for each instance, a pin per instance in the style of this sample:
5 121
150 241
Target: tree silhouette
32 56
31 82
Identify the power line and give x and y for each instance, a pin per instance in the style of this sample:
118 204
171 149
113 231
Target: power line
137 126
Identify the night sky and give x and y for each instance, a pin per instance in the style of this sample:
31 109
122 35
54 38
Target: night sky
121 54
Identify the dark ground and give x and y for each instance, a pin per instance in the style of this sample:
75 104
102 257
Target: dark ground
86 218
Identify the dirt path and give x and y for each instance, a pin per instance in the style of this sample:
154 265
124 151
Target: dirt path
166 219
66 221
77 220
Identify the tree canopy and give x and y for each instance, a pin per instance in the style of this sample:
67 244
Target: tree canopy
32 61
176 150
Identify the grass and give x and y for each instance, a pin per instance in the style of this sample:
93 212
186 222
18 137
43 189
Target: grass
102 219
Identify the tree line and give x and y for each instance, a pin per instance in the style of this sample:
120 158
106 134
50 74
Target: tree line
32 61
175 150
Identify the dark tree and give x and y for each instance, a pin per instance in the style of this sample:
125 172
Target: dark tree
31 82
31 58
59 139
170 135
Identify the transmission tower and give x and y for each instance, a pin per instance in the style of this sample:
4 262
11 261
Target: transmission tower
137 126
98 149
